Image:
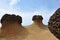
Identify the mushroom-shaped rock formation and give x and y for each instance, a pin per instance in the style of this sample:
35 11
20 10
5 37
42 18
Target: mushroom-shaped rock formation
39 31
37 18
12 28
37 21
54 23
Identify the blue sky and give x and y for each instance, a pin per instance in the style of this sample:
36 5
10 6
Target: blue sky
28 8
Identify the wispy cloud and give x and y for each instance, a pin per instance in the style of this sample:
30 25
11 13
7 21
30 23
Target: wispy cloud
13 2
27 16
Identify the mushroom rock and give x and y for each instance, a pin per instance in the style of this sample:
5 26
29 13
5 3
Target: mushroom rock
37 22
39 31
37 19
12 28
54 23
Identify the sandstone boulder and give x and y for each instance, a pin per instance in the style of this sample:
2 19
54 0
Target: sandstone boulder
54 23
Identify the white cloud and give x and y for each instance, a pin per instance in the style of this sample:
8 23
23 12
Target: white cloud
27 16
13 2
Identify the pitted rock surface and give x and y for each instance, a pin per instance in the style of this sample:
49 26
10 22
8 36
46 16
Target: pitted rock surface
54 23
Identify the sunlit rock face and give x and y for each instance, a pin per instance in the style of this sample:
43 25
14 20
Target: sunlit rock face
37 21
39 31
54 23
11 28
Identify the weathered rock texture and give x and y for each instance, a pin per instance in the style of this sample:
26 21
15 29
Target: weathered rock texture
37 19
54 23
38 31
11 28
11 18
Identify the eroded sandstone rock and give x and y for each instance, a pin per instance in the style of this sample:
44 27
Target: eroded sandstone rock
54 23
12 28
37 18
38 31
